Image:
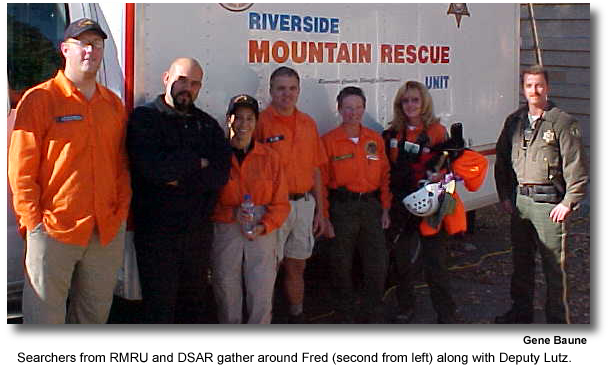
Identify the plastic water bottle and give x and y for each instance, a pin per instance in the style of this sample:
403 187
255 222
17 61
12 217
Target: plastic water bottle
248 207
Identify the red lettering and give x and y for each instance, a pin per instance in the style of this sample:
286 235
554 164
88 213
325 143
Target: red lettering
276 47
399 54
343 56
301 57
385 54
411 54
315 52
445 54
434 54
259 53
365 53
330 46
423 54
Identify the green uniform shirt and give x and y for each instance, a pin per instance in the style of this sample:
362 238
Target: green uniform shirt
554 154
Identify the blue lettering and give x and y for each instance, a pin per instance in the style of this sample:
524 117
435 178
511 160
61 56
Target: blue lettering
284 25
293 23
273 20
296 23
323 25
334 25
436 82
307 24
254 21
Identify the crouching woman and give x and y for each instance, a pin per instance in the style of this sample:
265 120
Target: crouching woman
248 258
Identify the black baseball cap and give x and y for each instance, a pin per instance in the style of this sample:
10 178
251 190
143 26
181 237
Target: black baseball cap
82 25
243 100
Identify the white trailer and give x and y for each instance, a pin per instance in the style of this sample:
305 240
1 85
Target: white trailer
468 57
467 54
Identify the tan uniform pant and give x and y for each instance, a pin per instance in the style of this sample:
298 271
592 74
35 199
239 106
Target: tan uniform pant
236 261
54 270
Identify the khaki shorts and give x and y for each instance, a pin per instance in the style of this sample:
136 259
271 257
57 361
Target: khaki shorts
296 239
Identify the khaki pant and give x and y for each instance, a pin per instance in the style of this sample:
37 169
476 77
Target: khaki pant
55 270
532 230
296 240
236 261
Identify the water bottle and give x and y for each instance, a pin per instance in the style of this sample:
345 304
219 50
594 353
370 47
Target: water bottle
248 207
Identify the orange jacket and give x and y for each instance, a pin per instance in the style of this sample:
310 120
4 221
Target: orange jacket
297 141
361 167
472 168
261 176
67 163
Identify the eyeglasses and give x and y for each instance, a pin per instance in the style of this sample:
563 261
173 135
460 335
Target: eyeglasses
97 44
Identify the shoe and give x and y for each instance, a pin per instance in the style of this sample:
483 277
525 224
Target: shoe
514 316
296 319
404 316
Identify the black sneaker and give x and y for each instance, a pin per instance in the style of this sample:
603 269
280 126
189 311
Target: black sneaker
515 317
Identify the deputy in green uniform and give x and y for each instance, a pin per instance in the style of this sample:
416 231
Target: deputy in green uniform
541 177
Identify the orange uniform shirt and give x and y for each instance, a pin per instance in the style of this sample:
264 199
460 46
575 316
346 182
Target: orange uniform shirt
261 176
361 167
297 141
67 162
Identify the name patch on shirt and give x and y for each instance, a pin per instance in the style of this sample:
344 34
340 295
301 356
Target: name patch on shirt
347 156
68 118
394 143
275 139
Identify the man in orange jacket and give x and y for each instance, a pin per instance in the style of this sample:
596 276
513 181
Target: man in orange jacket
294 135
71 188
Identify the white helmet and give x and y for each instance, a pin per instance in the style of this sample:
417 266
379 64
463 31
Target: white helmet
425 201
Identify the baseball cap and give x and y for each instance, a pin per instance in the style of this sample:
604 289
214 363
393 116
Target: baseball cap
243 100
79 26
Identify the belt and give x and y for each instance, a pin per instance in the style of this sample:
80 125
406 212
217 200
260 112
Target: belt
344 195
297 196
540 193
529 190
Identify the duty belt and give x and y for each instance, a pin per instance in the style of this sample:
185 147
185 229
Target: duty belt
344 195
540 193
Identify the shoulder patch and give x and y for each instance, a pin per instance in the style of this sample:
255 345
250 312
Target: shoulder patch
574 130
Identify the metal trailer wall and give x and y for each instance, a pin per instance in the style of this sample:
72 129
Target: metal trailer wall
564 32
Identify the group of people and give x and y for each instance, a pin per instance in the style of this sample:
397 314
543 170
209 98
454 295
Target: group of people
78 164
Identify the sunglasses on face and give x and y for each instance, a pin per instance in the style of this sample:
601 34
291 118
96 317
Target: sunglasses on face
96 44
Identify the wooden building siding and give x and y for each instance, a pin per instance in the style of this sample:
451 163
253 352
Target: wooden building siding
564 32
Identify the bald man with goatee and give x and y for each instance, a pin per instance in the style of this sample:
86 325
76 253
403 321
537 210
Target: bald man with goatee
179 160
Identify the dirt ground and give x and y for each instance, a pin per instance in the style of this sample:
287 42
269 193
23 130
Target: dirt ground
480 265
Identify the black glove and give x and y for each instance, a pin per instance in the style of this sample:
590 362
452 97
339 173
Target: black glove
455 144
